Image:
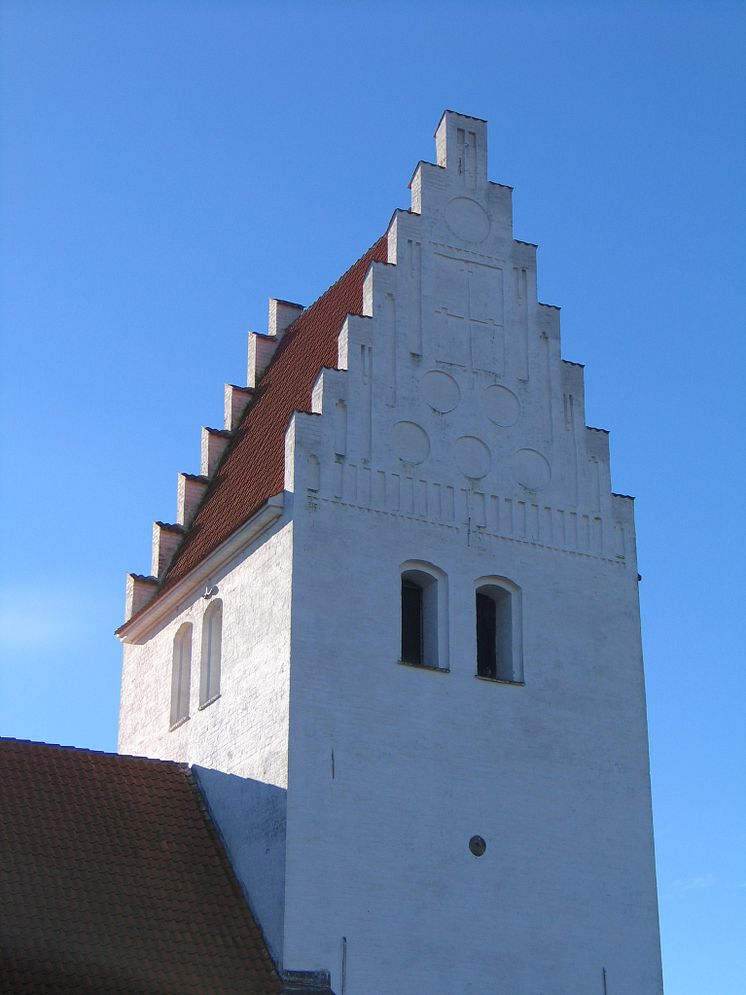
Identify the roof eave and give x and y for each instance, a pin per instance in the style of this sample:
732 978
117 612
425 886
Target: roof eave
140 626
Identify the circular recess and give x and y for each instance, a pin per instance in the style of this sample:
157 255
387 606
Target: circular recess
410 442
477 845
472 456
467 219
440 391
531 469
500 405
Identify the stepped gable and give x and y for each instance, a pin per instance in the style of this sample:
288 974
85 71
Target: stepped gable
113 880
253 468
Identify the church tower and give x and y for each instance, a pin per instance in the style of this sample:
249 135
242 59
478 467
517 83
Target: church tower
399 606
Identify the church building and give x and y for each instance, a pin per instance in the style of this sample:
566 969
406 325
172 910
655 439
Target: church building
394 629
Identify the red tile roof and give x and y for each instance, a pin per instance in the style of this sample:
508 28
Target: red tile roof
113 880
253 468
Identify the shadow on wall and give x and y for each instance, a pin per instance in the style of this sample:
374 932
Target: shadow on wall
251 817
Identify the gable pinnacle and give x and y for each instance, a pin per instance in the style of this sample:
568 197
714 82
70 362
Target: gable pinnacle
461 146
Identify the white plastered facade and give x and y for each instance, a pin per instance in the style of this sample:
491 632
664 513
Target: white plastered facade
451 439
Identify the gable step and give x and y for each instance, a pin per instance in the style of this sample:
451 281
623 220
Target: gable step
190 491
166 540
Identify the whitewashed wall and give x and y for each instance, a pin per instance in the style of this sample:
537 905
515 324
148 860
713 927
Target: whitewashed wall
251 817
457 437
245 730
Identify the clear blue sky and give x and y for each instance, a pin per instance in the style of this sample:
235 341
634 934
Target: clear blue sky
166 166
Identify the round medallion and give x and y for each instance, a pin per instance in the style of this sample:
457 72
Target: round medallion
500 405
410 442
467 219
477 845
531 469
472 456
440 391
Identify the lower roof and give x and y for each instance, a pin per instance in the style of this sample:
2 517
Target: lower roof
113 880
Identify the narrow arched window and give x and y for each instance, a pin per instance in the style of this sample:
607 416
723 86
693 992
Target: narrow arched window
412 642
181 673
212 636
486 635
420 623
498 642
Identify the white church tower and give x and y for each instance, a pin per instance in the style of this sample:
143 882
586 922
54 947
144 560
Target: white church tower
399 605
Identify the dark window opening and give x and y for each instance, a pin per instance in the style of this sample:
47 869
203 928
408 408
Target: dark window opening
412 637
486 636
495 651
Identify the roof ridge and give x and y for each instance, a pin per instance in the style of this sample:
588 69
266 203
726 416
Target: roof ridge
97 753
291 329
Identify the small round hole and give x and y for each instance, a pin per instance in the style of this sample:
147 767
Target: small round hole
477 846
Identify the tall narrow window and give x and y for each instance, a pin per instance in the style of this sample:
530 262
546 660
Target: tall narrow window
498 648
486 636
422 617
411 622
181 674
212 633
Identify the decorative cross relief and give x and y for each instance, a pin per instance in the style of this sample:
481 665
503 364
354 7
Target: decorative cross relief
466 146
470 320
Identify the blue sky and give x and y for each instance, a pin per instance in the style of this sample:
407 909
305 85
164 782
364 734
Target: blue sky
168 166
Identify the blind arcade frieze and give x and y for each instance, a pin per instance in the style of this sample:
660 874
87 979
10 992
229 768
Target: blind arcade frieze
508 516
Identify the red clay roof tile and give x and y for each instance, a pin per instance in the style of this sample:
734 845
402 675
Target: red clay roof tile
253 467
113 880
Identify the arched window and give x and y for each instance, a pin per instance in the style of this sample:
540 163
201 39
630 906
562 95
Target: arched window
424 641
181 672
498 619
212 634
